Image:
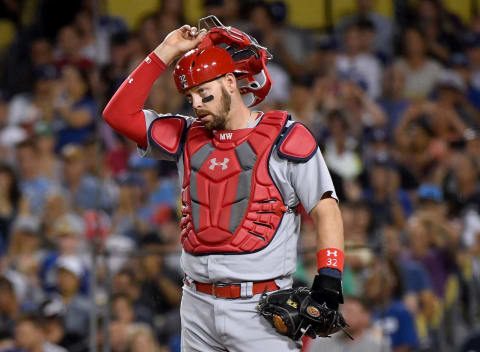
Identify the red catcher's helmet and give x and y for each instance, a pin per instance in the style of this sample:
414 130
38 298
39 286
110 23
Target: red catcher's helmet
202 65
225 50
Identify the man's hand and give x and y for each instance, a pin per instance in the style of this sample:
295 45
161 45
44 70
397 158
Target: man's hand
294 313
327 289
178 42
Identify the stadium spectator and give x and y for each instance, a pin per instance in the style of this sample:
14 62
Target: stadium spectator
388 203
68 275
33 185
122 309
383 290
357 65
160 288
142 339
94 41
68 234
303 107
367 338
29 337
52 313
359 255
11 309
84 191
9 202
69 49
45 138
288 45
440 28
75 107
421 73
26 109
25 255
393 101
384 27
341 148
438 261
125 284
461 184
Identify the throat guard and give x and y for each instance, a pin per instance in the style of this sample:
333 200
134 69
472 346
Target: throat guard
230 202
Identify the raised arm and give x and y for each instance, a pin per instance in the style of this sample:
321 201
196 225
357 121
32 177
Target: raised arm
124 111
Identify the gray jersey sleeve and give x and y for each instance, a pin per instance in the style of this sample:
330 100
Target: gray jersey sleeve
302 182
152 151
311 180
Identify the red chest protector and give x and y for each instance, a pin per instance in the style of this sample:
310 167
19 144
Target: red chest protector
230 202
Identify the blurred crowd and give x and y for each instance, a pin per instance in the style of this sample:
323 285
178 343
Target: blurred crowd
393 102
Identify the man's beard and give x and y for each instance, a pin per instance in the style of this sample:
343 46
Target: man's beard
219 122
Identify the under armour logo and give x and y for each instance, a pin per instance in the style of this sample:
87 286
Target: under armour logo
329 253
224 136
130 80
148 60
213 163
183 81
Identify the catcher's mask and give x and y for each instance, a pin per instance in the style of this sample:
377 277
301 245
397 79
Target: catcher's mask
226 50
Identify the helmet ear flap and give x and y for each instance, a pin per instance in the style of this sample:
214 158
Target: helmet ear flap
254 88
252 74
249 99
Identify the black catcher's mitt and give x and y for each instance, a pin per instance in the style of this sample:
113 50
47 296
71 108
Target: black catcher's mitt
294 313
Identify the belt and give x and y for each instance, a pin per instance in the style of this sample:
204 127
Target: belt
246 289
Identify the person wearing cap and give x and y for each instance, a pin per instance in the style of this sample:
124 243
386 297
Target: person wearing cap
68 235
52 314
25 254
244 173
69 272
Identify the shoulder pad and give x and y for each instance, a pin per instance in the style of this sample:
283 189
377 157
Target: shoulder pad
277 114
297 143
168 134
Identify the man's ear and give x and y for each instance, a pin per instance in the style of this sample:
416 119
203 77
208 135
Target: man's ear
230 82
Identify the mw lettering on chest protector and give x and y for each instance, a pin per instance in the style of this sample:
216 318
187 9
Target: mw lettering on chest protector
230 202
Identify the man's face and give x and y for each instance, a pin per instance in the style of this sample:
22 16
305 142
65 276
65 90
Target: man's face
355 315
74 168
212 114
67 282
27 335
121 282
27 161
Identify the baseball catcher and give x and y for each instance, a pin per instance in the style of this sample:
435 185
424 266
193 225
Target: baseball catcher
243 173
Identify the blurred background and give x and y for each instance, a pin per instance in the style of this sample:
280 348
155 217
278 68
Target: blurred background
89 236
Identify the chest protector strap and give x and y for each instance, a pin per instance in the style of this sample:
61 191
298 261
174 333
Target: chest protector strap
230 202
